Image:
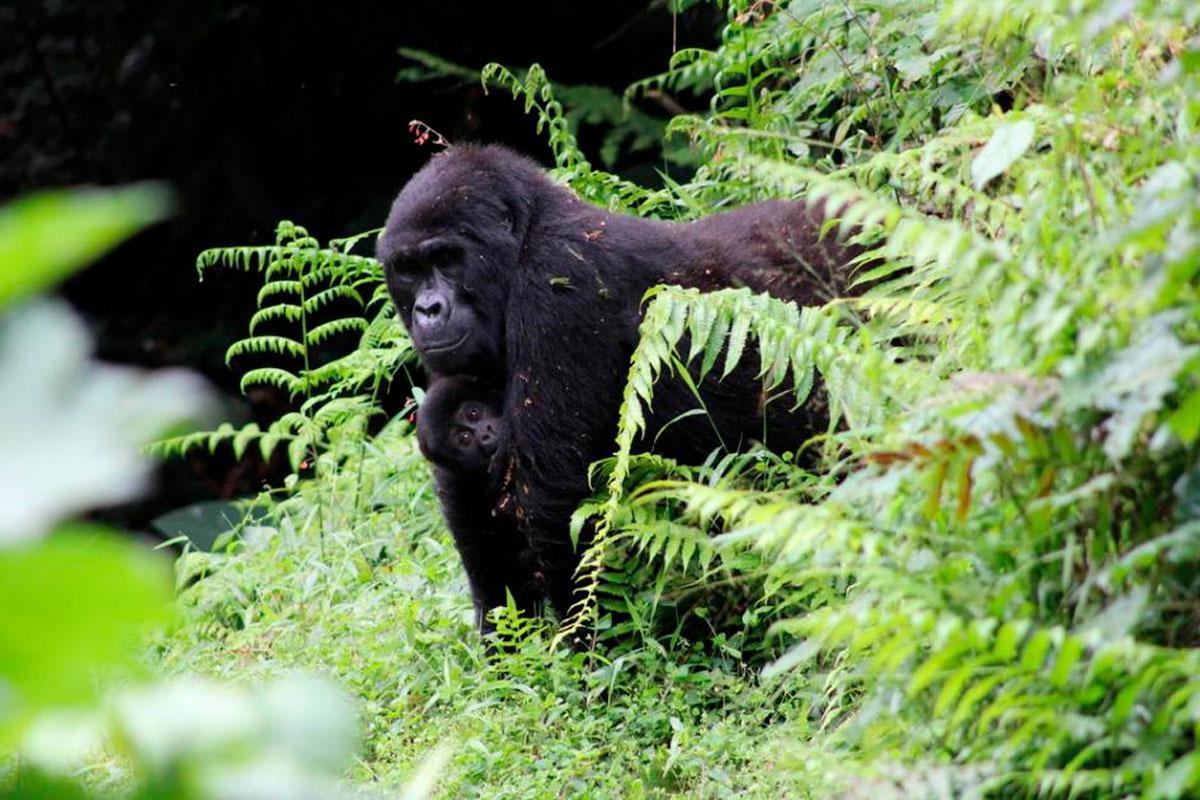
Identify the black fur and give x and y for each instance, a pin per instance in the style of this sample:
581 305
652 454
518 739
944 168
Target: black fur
515 280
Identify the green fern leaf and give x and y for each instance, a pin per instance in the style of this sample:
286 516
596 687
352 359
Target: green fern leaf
333 328
279 345
270 376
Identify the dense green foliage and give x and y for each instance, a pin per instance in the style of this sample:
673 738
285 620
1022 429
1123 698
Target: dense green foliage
988 587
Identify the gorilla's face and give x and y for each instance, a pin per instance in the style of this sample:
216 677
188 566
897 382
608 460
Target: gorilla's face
450 248
459 425
474 433
452 325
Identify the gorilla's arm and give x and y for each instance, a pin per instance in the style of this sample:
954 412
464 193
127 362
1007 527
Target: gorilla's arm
493 551
490 545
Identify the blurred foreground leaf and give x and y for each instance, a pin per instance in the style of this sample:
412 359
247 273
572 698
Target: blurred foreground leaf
1008 143
72 608
32 785
45 236
286 740
73 432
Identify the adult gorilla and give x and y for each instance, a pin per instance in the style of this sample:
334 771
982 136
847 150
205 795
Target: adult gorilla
501 274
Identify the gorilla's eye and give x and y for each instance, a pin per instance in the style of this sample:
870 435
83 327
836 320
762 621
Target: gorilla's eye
473 414
463 438
402 274
439 253
440 259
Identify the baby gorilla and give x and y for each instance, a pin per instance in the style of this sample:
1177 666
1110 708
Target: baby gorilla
459 426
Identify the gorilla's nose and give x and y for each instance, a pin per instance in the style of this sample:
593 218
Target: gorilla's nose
429 313
487 436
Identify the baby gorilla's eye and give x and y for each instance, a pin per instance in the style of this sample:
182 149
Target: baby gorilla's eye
463 438
473 414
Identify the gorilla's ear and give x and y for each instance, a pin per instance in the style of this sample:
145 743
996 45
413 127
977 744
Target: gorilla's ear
519 200
516 217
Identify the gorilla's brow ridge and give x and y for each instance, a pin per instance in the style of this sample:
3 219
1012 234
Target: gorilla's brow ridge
415 251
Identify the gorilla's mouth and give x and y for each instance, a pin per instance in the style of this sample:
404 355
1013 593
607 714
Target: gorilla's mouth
441 347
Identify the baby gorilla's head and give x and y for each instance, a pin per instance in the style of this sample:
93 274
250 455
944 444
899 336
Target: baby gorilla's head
459 426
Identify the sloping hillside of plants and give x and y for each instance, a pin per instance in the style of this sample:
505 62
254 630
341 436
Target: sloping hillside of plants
982 581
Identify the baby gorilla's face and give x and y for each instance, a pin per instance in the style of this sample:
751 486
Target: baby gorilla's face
459 424
474 434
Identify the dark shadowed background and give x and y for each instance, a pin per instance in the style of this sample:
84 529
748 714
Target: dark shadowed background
256 112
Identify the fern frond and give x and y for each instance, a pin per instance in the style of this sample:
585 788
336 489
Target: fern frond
335 327
271 376
246 259
277 345
286 312
289 288
176 446
537 93
324 297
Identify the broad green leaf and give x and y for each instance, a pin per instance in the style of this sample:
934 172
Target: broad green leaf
1068 655
1008 143
46 236
1177 779
1185 420
74 607
203 522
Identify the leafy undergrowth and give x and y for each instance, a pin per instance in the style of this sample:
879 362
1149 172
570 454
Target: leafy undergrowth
378 602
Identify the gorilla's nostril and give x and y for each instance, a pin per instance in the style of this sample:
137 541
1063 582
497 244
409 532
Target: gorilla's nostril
431 310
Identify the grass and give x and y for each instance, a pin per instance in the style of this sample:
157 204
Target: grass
381 606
